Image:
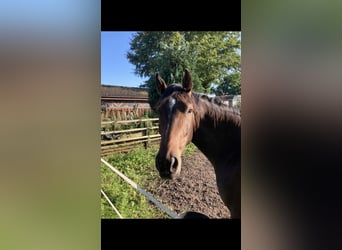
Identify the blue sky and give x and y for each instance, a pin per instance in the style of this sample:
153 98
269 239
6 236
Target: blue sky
115 67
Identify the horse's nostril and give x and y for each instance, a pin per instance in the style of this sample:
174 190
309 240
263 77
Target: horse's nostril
174 164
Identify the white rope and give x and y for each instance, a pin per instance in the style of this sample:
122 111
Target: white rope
146 194
118 213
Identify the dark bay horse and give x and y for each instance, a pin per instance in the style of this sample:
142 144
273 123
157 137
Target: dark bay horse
186 116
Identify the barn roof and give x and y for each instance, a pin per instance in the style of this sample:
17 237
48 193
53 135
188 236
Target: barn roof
123 92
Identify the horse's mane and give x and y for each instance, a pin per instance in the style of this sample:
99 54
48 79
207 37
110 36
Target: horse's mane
216 109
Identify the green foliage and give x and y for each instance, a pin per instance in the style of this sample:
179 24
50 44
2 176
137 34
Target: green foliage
217 55
230 86
153 95
209 56
138 165
189 149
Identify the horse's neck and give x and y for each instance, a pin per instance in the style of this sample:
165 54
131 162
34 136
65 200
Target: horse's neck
219 141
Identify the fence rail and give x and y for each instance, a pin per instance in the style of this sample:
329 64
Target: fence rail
124 135
142 191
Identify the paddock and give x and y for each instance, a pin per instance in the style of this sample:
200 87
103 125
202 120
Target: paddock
195 190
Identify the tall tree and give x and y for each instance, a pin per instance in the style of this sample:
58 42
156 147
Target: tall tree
217 55
230 86
209 56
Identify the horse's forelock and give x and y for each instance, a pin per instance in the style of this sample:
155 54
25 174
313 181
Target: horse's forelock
175 91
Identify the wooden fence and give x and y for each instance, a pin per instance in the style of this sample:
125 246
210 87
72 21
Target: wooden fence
122 136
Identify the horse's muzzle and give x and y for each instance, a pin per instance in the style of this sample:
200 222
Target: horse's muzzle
168 168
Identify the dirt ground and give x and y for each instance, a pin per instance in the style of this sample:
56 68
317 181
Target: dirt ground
195 190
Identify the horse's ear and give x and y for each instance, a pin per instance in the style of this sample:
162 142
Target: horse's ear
160 84
187 81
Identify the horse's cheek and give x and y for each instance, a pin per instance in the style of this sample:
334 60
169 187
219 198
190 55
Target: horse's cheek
188 134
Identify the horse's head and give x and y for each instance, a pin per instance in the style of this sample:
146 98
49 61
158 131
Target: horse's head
176 110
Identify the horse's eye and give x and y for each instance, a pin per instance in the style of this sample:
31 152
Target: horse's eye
189 111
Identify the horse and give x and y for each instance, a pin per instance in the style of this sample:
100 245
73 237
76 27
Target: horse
186 116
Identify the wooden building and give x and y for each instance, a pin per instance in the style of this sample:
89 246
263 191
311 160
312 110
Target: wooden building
119 96
120 102
231 101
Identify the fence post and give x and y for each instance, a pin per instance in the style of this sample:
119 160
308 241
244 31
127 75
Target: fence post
146 134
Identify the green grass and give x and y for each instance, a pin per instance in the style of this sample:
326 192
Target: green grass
137 165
